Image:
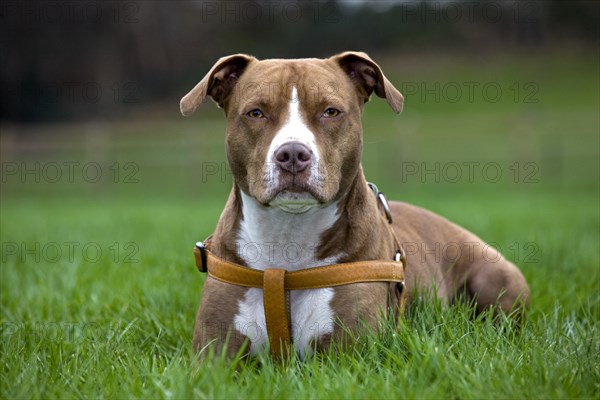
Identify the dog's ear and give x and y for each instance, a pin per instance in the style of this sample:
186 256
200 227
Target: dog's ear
368 78
217 83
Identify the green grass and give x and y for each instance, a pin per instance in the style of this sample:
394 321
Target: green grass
120 324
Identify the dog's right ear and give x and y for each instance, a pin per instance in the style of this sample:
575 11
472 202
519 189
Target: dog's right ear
217 84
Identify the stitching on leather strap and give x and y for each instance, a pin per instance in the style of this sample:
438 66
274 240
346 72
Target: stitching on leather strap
310 278
276 314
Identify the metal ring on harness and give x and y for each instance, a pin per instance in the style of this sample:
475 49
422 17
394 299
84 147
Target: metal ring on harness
382 200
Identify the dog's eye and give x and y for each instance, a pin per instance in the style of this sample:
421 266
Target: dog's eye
256 113
331 113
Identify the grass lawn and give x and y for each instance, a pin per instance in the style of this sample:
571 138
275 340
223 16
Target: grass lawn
99 290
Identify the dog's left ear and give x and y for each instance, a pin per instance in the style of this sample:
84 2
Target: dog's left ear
368 78
217 83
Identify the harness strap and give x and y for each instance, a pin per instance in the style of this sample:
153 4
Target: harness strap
309 278
276 315
275 283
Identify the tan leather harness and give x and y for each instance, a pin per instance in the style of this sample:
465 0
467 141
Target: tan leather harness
276 283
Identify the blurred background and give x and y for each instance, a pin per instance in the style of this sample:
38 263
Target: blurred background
501 112
88 60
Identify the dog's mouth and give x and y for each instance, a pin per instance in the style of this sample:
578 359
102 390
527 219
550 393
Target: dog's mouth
293 193
294 201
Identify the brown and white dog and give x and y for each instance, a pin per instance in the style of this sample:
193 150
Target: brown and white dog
300 199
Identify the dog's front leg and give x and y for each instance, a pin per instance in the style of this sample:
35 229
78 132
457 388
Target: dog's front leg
215 328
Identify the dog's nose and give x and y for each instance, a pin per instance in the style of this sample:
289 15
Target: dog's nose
293 157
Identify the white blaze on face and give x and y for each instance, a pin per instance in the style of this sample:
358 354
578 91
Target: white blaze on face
293 130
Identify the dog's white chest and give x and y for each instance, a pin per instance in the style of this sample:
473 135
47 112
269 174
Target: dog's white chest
274 239
311 317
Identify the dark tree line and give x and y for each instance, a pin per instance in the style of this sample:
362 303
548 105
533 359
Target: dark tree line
88 59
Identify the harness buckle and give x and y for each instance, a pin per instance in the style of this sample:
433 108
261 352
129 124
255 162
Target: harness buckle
203 267
382 200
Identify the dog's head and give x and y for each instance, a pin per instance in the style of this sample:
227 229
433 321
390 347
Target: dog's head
294 133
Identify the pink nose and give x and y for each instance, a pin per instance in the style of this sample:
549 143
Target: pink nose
293 157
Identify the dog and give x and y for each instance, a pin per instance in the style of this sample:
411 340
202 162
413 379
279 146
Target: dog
300 200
